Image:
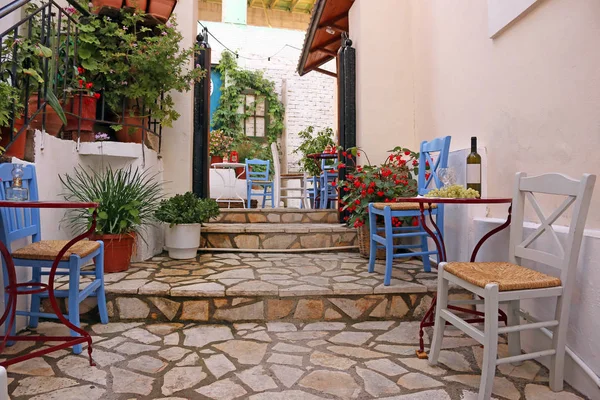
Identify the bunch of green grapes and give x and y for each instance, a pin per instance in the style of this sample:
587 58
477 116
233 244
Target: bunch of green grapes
454 192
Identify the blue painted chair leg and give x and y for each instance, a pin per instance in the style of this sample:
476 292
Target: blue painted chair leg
425 248
373 244
249 193
74 299
36 276
264 196
100 294
389 246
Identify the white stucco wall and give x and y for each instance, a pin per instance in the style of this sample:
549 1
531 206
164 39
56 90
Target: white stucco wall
531 96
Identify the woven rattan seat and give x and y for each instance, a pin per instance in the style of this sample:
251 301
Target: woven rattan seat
402 206
48 250
508 276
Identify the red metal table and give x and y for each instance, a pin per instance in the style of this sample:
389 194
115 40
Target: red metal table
428 319
14 288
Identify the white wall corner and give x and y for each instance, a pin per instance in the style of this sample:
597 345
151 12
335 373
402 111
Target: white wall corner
503 13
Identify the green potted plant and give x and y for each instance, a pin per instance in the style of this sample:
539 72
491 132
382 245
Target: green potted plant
137 67
312 144
185 214
127 199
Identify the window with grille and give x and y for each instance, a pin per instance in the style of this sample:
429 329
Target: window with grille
255 110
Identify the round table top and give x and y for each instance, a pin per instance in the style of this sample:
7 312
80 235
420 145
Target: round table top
322 156
227 165
47 204
446 200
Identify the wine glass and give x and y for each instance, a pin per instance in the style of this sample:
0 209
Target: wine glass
447 176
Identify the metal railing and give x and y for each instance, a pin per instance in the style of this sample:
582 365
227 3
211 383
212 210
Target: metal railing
34 76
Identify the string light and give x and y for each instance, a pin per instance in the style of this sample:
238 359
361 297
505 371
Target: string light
237 55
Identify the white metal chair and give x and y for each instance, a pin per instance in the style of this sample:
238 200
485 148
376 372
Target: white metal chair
281 191
509 282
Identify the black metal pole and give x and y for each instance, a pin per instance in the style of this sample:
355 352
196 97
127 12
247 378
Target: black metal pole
201 159
346 108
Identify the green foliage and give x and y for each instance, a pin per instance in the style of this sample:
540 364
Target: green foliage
127 199
313 144
249 149
186 209
9 95
235 81
135 64
383 183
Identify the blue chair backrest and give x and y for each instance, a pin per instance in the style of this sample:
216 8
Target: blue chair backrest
258 174
438 145
325 167
19 223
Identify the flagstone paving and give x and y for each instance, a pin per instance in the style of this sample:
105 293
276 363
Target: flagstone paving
266 361
235 287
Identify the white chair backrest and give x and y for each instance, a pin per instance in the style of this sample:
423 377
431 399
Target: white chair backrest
578 194
277 173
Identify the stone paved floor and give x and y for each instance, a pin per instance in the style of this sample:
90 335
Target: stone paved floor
267 274
270 361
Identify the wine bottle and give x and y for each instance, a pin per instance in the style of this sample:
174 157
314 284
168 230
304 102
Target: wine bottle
474 167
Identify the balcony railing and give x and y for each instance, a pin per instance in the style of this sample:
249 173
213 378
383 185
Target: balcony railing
38 59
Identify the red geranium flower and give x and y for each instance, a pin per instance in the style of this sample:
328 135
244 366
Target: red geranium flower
97 95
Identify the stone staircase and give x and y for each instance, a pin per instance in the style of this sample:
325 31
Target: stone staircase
274 230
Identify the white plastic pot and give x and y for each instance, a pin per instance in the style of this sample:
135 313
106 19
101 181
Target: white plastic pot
182 241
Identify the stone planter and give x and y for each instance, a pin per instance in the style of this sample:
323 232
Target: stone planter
182 241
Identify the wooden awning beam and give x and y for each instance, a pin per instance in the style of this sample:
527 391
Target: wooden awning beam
294 4
326 51
273 3
325 72
329 42
332 20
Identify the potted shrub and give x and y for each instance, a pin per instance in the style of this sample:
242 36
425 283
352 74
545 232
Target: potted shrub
185 214
393 179
311 144
127 201
137 68
220 145
9 96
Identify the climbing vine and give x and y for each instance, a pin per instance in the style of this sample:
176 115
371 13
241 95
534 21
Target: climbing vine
227 116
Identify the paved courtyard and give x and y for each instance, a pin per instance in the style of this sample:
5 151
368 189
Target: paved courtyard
266 361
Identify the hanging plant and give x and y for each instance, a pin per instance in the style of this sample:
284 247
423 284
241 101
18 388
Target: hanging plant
227 116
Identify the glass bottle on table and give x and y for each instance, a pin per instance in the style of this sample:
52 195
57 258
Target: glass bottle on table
16 191
474 168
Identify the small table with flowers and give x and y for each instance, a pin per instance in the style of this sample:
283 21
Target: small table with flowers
438 239
230 183
14 288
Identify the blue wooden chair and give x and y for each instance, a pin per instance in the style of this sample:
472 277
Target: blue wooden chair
400 210
327 191
257 174
40 254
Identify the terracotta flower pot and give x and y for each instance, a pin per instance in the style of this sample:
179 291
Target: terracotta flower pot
131 132
53 121
216 159
137 4
83 106
98 4
17 149
118 250
240 172
161 9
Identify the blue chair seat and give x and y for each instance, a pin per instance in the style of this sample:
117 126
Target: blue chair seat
383 237
49 249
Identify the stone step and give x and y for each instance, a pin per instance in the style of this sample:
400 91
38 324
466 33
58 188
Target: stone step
292 236
236 287
277 216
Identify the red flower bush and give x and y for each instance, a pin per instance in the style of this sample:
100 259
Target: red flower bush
388 182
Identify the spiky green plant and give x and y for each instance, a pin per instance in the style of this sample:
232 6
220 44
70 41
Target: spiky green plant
127 199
